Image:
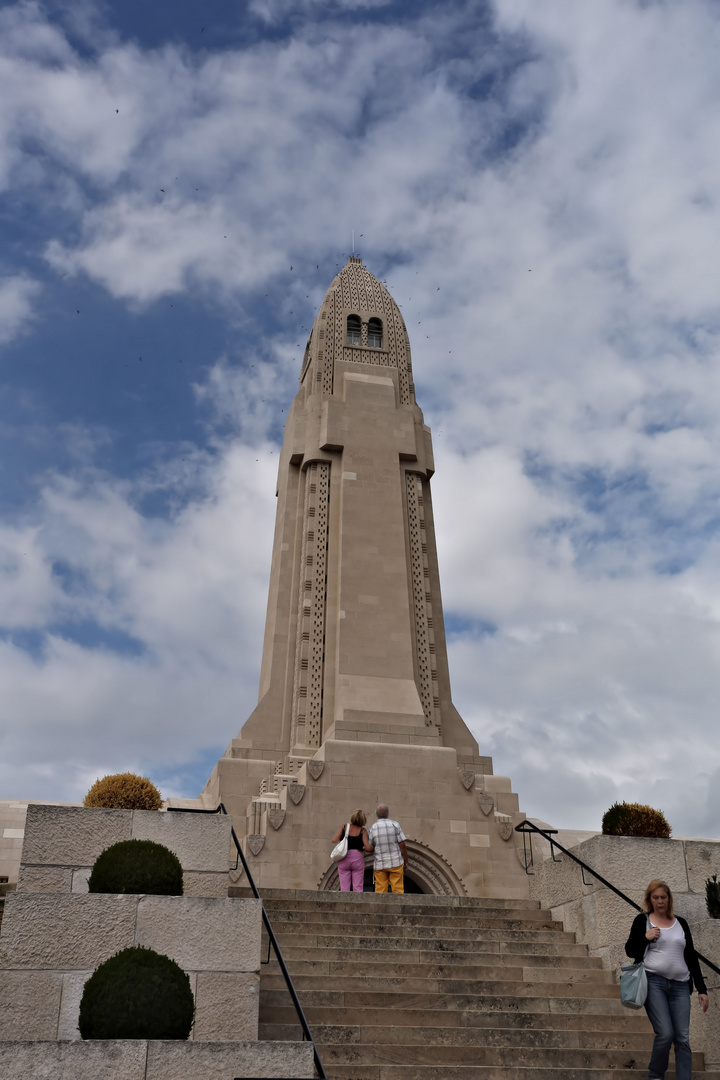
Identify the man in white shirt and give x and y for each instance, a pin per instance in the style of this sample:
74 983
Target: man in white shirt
391 857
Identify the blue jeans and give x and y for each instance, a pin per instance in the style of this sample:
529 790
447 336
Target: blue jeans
668 1009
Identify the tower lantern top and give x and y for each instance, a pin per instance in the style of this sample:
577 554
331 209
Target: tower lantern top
358 323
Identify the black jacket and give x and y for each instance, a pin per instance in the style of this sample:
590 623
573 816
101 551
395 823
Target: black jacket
637 943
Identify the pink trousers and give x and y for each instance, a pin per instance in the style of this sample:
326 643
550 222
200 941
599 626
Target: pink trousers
352 869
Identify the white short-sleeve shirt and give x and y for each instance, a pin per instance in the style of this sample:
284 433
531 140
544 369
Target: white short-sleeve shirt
387 836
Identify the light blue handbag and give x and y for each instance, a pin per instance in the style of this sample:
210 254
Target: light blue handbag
633 982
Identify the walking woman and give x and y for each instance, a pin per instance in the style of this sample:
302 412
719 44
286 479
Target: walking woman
662 941
352 868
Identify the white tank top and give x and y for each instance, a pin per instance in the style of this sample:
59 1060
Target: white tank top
666 955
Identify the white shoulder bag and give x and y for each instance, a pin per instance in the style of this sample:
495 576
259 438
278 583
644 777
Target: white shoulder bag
341 848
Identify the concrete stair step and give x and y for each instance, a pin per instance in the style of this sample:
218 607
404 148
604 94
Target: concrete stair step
423 918
415 937
542 968
406 927
309 900
508 952
592 998
612 1017
326 1034
492 1072
591 984
560 1058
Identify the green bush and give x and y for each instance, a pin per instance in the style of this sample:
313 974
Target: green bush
137 866
712 897
137 994
124 791
634 819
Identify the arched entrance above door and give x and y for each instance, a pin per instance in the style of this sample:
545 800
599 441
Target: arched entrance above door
428 873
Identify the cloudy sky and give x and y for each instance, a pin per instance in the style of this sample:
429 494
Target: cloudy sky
538 182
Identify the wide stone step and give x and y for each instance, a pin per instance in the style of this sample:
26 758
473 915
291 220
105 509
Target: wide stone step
611 1017
509 952
492 1072
542 968
401 1053
325 1034
589 983
407 926
307 899
497 916
551 998
416 937
490 968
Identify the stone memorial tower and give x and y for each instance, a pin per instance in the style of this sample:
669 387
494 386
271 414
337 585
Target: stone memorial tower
355 705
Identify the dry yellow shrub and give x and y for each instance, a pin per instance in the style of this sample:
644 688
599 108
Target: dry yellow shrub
124 791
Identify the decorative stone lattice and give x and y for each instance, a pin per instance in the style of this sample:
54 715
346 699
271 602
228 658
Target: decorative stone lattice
422 600
310 649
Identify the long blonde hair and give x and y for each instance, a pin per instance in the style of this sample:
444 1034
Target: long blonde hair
357 818
656 883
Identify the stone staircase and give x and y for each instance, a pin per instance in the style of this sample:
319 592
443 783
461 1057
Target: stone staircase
447 988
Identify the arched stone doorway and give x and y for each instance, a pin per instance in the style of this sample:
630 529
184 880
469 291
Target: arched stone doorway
428 873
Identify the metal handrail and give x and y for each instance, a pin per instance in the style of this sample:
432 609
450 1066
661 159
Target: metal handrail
527 828
307 1035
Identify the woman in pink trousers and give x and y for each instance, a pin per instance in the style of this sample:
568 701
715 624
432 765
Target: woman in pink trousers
352 868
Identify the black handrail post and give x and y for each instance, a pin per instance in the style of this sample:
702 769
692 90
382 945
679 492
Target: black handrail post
307 1035
530 827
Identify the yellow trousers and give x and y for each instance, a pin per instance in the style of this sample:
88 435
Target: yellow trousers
394 875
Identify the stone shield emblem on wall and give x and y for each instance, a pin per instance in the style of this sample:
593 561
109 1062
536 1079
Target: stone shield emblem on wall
486 803
295 791
315 768
468 778
256 843
505 829
276 816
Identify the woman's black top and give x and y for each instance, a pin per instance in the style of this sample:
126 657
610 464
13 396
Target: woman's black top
355 843
637 943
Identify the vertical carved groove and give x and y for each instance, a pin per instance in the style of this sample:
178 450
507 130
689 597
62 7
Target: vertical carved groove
422 600
310 649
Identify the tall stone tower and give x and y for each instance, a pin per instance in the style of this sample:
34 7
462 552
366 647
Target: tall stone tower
355 705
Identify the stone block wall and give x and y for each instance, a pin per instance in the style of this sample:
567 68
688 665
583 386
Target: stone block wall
55 934
602 920
51 944
140 1060
61 844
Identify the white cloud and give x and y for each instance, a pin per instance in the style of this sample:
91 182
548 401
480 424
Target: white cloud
17 294
181 601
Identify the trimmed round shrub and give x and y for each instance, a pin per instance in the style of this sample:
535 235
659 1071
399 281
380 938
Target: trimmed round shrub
124 791
634 819
137 866
137 994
